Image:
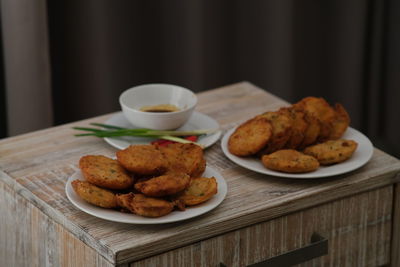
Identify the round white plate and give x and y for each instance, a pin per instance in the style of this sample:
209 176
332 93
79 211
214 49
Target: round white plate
360 157
197 121
117 216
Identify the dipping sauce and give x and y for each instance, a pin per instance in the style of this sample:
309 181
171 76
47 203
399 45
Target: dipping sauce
160 108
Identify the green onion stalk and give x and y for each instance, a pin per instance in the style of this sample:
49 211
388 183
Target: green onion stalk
106 130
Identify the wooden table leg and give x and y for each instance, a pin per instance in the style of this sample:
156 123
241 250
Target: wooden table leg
395 253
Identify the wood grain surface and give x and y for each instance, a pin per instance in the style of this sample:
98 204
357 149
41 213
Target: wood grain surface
395 248
358 233
37 165
28 237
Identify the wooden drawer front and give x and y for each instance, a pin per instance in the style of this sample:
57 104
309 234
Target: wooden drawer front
358 229
29 238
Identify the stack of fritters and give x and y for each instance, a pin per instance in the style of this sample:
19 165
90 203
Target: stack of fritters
296 139
148 180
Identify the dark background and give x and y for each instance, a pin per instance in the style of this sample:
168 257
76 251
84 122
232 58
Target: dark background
344 51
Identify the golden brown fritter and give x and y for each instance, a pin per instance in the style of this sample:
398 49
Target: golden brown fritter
145 206
332 151
200 190
124 201
299 127
281 131
340 122
201 167
179 204
250 137
312 132
291 161
105 172
142 160
94 195
164 185
187 158
322 111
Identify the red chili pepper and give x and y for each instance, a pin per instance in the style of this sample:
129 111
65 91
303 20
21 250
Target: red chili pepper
192 138
168 142
162 142
158 142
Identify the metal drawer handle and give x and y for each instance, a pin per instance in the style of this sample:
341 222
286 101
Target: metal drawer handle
317 248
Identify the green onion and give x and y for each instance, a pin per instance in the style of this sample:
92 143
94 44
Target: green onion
175 139
106 130
107 126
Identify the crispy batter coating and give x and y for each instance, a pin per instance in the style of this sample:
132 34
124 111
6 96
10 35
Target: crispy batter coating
312 132
250 137
332 151
200 190
179 204
340 122
291 161
322 111
142 160
164 185
124 201
200 169
145 206
105 172
187 158
94 195
281 131
299 127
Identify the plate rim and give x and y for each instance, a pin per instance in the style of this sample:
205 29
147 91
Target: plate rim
215 136
310 175
137 219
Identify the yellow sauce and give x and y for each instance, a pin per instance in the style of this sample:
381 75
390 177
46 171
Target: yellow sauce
160 108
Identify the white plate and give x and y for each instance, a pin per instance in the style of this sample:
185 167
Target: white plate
197 121
360 157
117 216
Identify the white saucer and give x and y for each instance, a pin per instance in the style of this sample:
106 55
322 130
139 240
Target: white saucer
117 216
197 121
360 157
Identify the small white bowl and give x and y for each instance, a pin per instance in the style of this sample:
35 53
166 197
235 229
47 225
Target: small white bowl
133 99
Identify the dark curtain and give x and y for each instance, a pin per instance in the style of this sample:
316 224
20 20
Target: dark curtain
3 114
389 126
26 70
345 51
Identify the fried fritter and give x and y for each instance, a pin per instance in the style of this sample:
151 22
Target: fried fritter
312 132
200 169
124 201
164 185
299 127
322 111
250 137
291 161
142 160
94 195
200 190
145 206
281 131
179 204
340 122
332 151
105 172
187 158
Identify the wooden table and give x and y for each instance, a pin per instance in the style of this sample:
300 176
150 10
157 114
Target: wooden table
261 217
